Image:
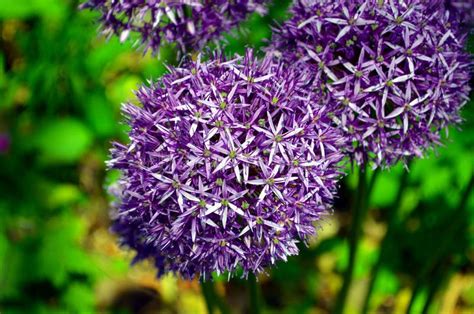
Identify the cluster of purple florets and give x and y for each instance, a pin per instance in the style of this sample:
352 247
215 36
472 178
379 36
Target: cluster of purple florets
396 69
232 161
463 12
230 164
190 24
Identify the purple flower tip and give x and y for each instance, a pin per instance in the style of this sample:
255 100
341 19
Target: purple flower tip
230 164
397 70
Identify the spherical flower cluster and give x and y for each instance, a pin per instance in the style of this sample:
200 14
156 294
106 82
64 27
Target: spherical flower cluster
190 24
396 69
230 164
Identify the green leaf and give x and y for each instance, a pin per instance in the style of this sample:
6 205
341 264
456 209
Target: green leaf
63 141
79 298
436 182
12 274
63 194
367 257
28 8
385 190
387 282
410 200
101 116
123 89
3 254
60 253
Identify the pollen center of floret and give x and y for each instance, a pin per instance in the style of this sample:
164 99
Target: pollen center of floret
176 184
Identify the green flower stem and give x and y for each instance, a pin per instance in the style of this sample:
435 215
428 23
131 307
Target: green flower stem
450 234
207 288
254 293
392 222
443 273
371 185
221 305
359 212
212 299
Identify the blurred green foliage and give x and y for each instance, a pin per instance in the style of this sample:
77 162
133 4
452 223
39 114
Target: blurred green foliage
61 87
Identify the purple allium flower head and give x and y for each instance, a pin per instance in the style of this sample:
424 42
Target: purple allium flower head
397 69
230 164
188 23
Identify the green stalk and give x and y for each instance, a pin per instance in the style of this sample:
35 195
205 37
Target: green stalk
451 231
358 212
212 299
371 185
254 294
221 305
416 291
392 222
207 288
443 273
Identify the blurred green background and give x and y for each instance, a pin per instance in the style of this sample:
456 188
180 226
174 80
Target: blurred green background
61 86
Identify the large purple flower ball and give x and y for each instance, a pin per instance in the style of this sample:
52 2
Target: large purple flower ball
230 164
397 70
190 24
